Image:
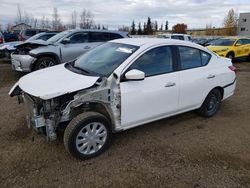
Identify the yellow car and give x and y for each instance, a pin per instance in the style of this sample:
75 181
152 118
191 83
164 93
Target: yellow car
231 47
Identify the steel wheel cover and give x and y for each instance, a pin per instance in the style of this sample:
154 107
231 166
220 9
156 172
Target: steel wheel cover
91 138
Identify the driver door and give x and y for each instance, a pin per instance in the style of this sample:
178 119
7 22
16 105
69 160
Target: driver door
154 97
239 48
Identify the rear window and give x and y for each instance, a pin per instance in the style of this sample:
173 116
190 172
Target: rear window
30 32
177 37
114 36
98 37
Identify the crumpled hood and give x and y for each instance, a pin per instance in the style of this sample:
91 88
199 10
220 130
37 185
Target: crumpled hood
38 42
55 81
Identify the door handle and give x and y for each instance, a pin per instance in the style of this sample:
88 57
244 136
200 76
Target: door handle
170 84
210 76
87 47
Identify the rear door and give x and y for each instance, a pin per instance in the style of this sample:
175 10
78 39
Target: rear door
78 44
196 79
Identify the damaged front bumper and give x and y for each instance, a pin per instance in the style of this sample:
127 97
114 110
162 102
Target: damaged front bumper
36 118
22 63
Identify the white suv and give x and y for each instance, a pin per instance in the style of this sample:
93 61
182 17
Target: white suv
122 84
176 36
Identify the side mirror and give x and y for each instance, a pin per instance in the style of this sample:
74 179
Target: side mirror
65 41
135 75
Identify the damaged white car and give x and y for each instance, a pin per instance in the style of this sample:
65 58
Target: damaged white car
122 84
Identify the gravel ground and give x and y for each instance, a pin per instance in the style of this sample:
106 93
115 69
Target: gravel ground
182 151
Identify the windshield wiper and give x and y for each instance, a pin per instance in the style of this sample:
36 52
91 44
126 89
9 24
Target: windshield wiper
81 69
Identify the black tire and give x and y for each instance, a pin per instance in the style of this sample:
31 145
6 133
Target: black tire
248 57
211 105
76 127
45 62
230 55
7 54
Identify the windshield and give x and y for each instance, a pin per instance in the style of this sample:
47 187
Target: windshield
222 42
57 37
34 37
104 59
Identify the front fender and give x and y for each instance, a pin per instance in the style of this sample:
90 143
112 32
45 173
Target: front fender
15 90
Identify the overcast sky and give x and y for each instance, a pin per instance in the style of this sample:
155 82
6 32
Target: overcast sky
195 13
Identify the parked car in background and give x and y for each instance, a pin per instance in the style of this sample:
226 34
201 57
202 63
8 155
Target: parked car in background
27 33
63 47
181 37
203 41
122 84
1 38
10 37
234 47
176 36
9 47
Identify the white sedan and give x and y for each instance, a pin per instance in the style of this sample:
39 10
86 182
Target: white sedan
122 84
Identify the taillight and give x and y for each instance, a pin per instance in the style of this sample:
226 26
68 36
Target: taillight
1 40
232 68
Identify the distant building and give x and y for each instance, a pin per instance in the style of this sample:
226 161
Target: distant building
244 24
19 27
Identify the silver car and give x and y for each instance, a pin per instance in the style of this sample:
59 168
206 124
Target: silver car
63 47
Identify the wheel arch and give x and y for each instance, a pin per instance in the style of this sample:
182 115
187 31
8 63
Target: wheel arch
47 54
96 107
221 90
230 52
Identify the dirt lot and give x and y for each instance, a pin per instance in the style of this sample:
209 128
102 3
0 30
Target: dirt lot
182 151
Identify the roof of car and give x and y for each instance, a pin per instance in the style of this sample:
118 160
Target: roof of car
152 41
98 30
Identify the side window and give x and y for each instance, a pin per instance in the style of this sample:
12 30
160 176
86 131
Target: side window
240 42
246 41
79 38
189 57
177 37
115 36
205 57
154 62
98 37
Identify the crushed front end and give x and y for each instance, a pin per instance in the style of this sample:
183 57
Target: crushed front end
41 115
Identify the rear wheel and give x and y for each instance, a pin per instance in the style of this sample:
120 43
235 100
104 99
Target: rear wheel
87 135
45 62
211 105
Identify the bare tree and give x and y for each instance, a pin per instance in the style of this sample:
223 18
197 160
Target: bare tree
86 19
56 22
73 19
19 17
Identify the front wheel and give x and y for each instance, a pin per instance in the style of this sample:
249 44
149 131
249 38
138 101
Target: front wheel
87 135
230 56
211 105
45 62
